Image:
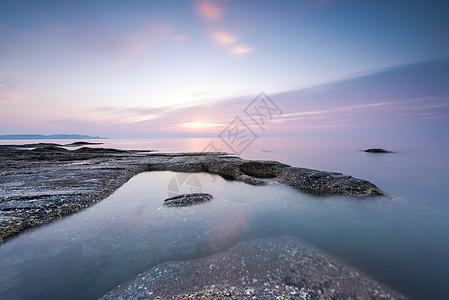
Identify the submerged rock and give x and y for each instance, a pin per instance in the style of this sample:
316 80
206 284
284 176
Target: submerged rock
187 199
377 150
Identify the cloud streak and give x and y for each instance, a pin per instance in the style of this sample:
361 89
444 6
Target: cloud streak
357 106
241 49
224 38
229 41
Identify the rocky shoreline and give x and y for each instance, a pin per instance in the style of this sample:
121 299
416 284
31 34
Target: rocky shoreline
40 183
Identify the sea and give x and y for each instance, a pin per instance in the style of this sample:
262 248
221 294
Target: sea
401 239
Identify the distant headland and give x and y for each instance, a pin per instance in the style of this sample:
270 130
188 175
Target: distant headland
48 137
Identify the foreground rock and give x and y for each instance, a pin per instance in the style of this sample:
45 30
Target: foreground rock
284 267
187 199
47 182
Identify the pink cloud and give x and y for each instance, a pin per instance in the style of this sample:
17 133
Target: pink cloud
228 40
224 38
241 49
209 10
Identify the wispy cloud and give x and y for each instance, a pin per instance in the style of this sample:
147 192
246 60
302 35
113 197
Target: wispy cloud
229 41
135 113
333 110
209 10
224 38
241 49
201 125
10 93
434 117
212 11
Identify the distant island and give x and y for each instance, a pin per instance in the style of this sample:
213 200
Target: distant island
48 137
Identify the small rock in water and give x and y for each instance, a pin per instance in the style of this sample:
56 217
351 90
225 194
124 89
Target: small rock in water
377 150
187 199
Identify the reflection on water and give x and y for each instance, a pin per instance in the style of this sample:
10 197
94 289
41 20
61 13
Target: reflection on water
401 240
85 255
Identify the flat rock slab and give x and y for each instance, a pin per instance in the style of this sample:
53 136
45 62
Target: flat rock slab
187 199
48 182
284 267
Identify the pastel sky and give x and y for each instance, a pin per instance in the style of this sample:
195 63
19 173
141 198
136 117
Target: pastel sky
188 68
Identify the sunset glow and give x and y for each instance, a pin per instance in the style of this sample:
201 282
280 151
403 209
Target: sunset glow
171 67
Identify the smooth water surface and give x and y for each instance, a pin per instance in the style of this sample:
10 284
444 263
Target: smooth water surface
401 239
86 254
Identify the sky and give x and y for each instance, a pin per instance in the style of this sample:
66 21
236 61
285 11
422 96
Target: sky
189 68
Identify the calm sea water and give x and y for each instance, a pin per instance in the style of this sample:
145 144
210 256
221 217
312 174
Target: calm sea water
401 239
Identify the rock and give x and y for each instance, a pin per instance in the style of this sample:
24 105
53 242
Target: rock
48 182
98 150
327 183
261 172
270 268
377 150
187 199
48 149
76 144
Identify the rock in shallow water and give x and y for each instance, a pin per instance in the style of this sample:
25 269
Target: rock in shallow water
187 199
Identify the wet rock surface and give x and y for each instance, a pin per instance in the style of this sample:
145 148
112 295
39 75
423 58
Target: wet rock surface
261 172
269 268
49 181
187 199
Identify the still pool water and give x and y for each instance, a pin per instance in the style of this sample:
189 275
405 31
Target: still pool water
85 255
401 240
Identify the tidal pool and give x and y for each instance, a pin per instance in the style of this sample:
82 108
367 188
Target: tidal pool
85 255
